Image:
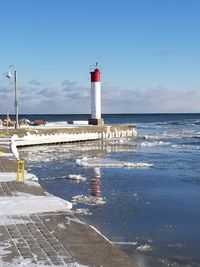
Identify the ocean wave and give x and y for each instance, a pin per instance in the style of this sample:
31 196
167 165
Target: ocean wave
165 136
186 147
182 134
155 143
188 122
151 137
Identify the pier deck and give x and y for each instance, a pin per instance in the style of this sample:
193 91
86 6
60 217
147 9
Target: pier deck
51 238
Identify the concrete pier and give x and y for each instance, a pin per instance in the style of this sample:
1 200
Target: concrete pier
55 238
45 135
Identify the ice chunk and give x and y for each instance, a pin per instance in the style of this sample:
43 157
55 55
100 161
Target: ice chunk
94 162
144 248
88 200
76 177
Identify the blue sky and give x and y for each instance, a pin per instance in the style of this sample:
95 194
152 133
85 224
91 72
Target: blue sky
149 51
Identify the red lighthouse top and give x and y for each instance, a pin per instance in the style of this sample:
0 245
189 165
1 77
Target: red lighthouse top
95 75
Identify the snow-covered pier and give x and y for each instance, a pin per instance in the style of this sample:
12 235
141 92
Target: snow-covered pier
74 133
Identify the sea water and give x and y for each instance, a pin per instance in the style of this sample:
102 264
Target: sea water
143 194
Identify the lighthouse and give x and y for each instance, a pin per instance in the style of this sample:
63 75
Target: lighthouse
96 97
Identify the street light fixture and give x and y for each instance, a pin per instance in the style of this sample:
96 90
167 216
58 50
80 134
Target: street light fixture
10 76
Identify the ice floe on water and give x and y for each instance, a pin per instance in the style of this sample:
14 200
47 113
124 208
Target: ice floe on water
151 144
144 248
82 212
77 177
88 200
108 163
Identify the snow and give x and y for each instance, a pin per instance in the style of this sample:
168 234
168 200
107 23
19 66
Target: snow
61 226
80 123
33 139
4 246
20 262
125 243
11 176
23 205
3 154
5 220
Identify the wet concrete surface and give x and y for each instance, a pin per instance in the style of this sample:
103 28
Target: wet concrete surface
53 238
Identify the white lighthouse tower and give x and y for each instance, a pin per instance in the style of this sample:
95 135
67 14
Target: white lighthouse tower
96 97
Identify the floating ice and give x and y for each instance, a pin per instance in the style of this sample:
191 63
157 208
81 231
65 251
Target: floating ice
82 212
155 143
76 177
144 248
94 162
88 200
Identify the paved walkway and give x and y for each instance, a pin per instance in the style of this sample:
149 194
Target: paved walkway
47 238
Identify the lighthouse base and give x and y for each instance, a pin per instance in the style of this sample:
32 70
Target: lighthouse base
96 121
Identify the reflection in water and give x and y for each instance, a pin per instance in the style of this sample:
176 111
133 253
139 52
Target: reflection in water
95 185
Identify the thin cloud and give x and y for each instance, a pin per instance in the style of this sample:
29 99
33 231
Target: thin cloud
67 83
69 97
35 82
165 52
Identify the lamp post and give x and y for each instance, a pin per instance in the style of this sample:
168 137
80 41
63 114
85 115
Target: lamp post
9 76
